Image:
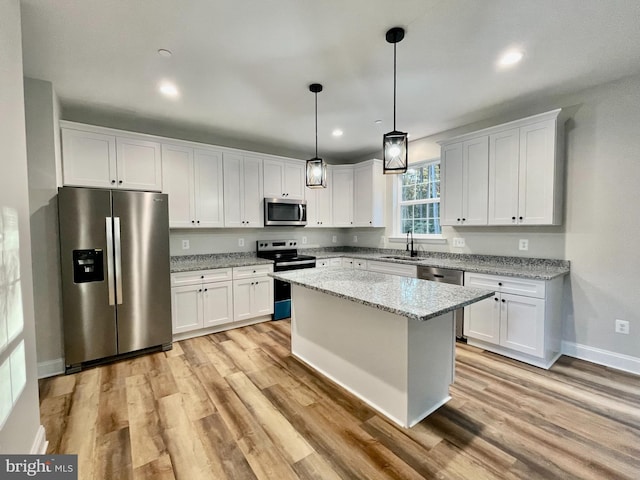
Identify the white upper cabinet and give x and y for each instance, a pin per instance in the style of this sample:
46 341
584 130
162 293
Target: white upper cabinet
464 172
368 194
96 157
193 179
243 191
525 174
342 195
284 179
319 201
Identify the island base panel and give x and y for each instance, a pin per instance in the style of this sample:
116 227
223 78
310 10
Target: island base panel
399 366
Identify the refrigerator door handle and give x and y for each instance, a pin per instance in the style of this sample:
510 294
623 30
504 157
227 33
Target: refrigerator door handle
110 278
118 258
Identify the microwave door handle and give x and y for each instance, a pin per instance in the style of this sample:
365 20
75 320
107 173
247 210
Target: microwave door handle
301 210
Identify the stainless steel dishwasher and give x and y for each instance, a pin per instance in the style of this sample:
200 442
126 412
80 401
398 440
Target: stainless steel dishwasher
454 277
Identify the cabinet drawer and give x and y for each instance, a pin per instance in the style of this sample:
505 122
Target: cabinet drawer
512 285
200 276
393 268
252 271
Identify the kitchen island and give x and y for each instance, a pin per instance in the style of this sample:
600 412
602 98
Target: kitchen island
387 339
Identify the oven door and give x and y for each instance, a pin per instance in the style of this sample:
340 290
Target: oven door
284 212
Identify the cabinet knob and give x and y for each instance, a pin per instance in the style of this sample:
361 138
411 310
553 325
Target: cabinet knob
200 290
119 182
370 222
520 218
464 219
458 219
499 284
503 300
113 182
513 218
496 299
198 221
201 276
193 221
254 271
206 289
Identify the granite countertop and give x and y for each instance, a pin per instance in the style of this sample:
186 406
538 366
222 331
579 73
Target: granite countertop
533 268
409 297
189 263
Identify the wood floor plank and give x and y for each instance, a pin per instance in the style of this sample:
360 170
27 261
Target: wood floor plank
239 405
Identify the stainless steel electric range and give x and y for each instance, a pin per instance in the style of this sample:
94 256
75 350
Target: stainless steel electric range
284 254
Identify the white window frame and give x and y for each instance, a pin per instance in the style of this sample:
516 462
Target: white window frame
398 236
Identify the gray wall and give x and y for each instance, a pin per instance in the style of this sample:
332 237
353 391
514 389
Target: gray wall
19 432
42 131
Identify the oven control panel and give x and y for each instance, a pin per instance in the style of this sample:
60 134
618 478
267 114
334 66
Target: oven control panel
270 245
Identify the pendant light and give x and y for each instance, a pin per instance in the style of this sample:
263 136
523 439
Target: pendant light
316 167
394 144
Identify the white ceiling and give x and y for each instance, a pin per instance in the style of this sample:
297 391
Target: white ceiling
243 66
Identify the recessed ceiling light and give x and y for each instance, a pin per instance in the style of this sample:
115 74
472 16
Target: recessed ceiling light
510 58
163 52
169 89
337 132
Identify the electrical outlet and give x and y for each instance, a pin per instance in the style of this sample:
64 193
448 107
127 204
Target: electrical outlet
355 239
241 242
334 239
622 326
523 244
185 245
304 240
458 242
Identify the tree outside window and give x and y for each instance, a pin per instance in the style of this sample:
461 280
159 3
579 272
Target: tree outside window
419 199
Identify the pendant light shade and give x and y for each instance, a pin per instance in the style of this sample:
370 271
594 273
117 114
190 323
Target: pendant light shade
316 167
395 143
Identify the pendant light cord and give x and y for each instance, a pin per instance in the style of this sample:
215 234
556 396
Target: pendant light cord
316 93
394 88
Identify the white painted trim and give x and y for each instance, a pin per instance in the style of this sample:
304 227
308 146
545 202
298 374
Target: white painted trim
436 239
40 443
619 361
50 368
177 337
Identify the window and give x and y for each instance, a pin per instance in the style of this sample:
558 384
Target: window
418 205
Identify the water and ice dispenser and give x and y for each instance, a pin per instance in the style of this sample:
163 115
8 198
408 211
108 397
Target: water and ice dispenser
88 266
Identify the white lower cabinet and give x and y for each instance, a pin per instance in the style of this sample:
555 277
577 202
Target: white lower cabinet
215 299
252 292
201 299
401 269
522 320
329 262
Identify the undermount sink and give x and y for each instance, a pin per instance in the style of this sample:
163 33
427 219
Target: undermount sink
398 257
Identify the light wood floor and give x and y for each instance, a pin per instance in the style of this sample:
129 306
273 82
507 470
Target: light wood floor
238 405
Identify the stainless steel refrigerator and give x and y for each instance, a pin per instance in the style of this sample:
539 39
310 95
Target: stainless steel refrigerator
116 293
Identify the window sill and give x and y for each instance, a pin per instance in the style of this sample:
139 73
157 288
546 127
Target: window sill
433 239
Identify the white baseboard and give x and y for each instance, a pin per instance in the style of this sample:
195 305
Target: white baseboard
40 443
619 361
50 368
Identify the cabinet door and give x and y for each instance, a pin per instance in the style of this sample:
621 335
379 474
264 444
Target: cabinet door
274 179
482 320
262 296
451 184
139 164
88 159
363 196
217 303
233 191
342 190
324 205
209 201
537 173
313 219
186 308
348 263
253 197
178 183
522 324
475 181
242 293
294 179
504 154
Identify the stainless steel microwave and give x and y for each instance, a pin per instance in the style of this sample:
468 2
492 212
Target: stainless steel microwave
285 212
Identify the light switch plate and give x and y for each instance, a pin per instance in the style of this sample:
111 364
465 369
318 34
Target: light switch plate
304 240
622 326
241 242
185 245
523 244
355 239
334 239
458 242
